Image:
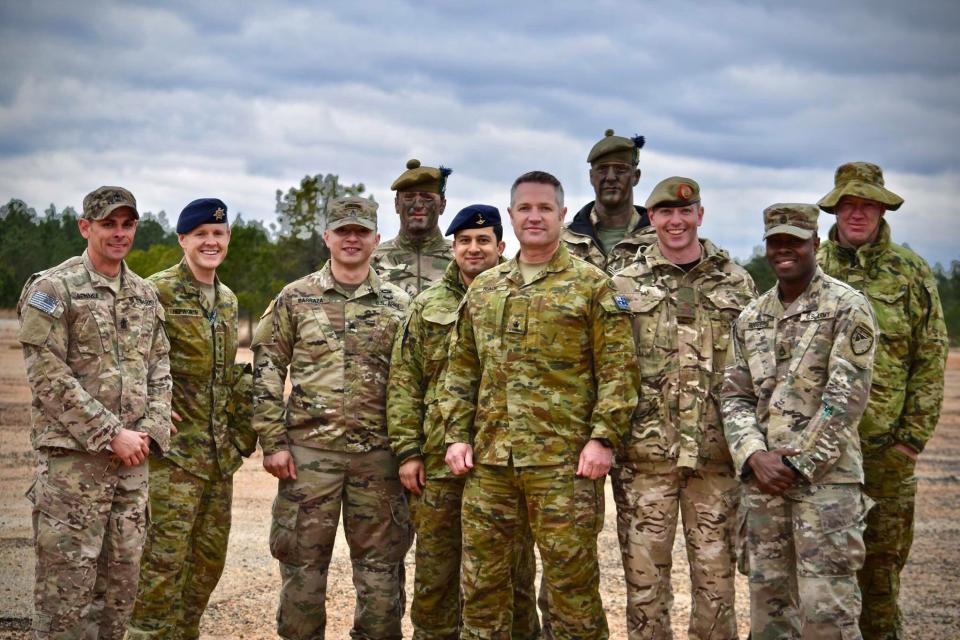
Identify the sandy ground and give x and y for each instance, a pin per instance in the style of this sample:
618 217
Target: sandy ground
244 603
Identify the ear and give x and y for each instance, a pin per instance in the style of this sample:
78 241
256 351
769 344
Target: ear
501 247
180 239
700 215
636 177
84 225
443 205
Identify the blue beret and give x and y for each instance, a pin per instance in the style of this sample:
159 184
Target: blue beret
202 211
476 216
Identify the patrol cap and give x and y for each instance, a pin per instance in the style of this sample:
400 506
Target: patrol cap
863 180
794 219
612 148
476 216
100 203
352 210
201 211
675 191
420 178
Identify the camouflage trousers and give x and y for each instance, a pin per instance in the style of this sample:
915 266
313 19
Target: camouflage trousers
891 483
801 552
437 607
376 525
184 554
89 521
647 508
565 514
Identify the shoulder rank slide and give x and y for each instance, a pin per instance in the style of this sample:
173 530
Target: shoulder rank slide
622 303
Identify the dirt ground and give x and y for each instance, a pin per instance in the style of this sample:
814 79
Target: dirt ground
244 603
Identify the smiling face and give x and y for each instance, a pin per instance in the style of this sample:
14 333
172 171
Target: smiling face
858 220
793 259
110 239
677 231
536 215
419 211
351 245
205 248
475 251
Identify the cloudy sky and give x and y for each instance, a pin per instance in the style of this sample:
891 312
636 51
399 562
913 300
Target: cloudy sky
758 101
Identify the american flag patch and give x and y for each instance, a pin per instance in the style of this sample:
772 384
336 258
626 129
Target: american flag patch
46 303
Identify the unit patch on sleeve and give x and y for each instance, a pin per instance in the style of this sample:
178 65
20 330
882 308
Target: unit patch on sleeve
861 340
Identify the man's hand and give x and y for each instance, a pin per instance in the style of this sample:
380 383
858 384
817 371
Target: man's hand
280 465
459 458
176 418
131 447
773 477
905 450
595 460
413 475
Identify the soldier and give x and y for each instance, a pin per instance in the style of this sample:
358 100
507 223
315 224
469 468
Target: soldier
538 392
791 400
328 444
684 293
418 256
907 391
609 231
191 487
416 436
96 360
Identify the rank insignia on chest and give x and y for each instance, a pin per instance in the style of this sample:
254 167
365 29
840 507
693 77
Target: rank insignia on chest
861 340
622 303
44 302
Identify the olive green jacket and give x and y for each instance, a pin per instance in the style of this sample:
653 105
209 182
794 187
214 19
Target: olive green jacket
908 376
412 267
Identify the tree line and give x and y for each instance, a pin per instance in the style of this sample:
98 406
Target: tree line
262 258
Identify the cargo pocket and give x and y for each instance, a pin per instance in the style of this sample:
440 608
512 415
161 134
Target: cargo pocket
588 504
62 516
402 525
837 548
740 543
283 530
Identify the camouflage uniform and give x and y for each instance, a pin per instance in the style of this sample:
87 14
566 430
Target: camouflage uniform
334 424
416 430
800 378
191 487
580 236
97 363
904 406
536 370
412 267
675 456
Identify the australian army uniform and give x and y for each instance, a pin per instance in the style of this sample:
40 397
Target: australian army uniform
675 456
609 249
191 487
907 390
536 370
799 379
337 345
416 429
415 266
96 360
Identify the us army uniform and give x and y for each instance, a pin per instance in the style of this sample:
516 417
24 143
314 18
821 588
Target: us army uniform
582 235
414 266
191 487
97 363
415 426
907 391
799 379
675 456
536 370
334 424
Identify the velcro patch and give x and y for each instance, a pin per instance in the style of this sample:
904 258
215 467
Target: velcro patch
622 303
44 302
86 295
309 300
759 324
184 312
861 340
812 316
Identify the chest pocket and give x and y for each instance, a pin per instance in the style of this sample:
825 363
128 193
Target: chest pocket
893 349
439 325
87 338
136 318
189 332
759 339
648 308
723 308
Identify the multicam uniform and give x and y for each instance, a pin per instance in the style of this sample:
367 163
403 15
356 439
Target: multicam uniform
416 430
675 456
412 267
97 363
904 406
191 487
580 236
800 379
536 370
334 424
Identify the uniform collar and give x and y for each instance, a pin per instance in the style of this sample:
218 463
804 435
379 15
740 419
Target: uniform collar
100 280
194 286
809 300
710 253
326 282
584 223
864 252
560 261
432 242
